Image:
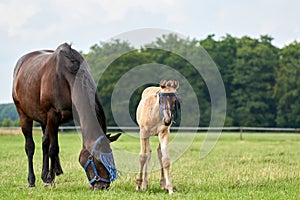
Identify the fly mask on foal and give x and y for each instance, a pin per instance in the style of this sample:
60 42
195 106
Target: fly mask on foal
169 105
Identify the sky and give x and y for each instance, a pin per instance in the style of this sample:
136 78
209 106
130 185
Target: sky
38 24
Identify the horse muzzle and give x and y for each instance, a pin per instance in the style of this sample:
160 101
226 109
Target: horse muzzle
100 186
167 121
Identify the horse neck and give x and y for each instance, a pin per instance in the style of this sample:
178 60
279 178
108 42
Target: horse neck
89 111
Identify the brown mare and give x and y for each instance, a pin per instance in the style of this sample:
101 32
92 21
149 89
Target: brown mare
157 109
51 87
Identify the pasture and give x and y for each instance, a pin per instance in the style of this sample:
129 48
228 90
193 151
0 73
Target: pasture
262 166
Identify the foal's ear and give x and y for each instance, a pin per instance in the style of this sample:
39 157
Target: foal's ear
113 138
176 84
162 83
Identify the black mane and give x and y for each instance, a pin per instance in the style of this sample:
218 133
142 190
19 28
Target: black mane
100 114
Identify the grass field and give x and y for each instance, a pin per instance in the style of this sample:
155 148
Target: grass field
262 166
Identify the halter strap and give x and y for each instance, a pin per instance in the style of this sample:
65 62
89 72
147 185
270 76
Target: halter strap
95 144
91 162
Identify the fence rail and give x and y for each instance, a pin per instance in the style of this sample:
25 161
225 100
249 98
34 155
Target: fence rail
200 129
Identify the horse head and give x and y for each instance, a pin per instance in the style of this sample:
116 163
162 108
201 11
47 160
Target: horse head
98 162
169 101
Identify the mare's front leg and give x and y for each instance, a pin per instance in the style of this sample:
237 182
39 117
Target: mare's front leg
51 140
165 159
145 155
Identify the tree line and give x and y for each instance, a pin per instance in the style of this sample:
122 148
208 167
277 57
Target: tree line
8 115
260 79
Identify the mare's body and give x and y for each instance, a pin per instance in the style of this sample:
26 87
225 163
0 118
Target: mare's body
49 87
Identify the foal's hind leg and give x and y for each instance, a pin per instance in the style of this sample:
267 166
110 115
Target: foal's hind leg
26 125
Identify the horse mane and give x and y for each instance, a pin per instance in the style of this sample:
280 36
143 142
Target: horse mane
88 81
100 114
72 55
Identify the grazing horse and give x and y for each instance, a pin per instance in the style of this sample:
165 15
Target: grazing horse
157 109
51 87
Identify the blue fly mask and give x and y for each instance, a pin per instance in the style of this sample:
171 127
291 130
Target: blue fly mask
173 101
107 159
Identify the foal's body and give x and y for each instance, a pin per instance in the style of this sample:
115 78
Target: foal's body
151 123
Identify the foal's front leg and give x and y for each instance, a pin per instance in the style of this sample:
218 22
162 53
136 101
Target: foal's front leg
162 177
145 156
165 160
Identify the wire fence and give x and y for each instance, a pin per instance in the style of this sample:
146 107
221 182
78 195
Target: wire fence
185 129
239 130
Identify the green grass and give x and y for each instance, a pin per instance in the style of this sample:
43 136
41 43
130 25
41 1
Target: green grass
262 166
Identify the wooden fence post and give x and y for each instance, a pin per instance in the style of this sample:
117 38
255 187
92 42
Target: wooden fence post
241 133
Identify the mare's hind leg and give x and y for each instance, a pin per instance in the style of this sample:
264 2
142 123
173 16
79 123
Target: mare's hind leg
26 125
45 147
145 156
51 133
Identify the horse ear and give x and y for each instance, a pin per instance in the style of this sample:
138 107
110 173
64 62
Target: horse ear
163 83
114 138
176 84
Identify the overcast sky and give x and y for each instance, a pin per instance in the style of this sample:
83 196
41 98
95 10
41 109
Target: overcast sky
38 24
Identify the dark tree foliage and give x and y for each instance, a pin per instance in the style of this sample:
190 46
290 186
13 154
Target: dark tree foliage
261 80
287 87
8 111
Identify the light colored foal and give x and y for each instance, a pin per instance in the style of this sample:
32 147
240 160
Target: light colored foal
155 113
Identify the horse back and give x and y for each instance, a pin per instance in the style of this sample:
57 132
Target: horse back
28 89
145 107
150 92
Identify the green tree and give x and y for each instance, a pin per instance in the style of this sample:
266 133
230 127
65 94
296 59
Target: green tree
223 53
16 123
172 51
253 82
8 111
287 89
6 122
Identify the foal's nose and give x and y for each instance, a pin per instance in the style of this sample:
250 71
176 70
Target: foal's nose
167 118
167 121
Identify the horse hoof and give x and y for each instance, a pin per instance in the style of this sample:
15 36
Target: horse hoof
92 187
144 187
170 192
31 185
59 172
138 188
48 184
